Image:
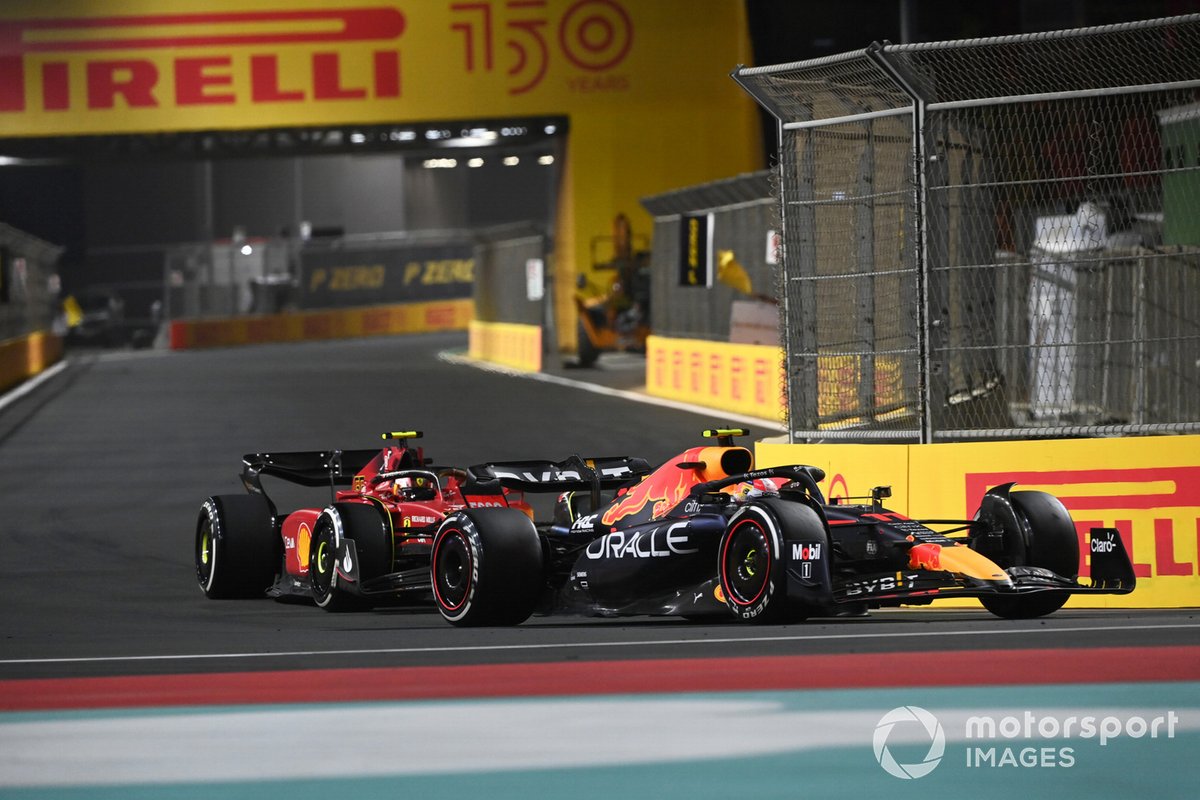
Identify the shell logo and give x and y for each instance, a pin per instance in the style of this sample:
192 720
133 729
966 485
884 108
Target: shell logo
303 545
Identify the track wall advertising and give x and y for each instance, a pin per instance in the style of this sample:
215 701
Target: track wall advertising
745 378
645 85
1148 488
340 278
315 325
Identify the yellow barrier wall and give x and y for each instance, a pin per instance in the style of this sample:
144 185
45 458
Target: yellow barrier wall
1148 488
746 378
313 325
26 356
516 346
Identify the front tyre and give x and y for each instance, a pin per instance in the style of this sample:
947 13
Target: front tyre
1048 540
752 566
236 547
487 567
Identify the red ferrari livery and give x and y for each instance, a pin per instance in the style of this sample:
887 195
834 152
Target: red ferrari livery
370 544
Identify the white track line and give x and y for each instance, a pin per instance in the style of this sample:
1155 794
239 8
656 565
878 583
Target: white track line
637 397
568 645
31 384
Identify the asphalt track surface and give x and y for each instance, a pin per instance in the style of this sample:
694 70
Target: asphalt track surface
102 471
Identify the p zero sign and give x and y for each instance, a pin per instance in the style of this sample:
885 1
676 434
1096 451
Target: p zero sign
37 73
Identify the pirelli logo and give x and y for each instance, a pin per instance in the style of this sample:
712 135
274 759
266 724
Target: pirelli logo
1157 510
94 63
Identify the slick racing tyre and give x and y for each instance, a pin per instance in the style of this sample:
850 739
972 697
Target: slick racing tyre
486 567
1049 541
370 557
237 549
751 563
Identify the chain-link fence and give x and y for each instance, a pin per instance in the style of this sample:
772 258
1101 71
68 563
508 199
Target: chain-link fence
992 238
740 305
505 269
270 275
514 277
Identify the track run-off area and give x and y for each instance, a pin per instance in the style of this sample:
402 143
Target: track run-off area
119 679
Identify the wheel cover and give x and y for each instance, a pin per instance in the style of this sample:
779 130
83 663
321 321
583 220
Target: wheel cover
205 553
452 569
746 563
321 573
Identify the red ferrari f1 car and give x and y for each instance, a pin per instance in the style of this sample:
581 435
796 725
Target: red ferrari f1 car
370 544
705 534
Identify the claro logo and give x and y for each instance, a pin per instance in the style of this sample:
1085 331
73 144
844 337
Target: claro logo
36 74
1162 503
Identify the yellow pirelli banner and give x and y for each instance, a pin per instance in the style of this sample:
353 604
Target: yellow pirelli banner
643 86
507 343
746 378
314 325
1148 488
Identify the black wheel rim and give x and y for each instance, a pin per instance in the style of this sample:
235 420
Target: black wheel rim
452 570
746 563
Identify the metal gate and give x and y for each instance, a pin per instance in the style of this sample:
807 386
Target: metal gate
992 238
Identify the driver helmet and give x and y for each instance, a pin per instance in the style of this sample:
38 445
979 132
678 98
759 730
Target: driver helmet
418 488
748 490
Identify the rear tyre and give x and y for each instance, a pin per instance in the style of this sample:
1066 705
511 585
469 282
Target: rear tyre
751 563
236 547
365 526
486 567
1048 540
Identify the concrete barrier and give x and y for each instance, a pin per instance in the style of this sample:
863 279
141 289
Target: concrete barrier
26 356
746 378
507 343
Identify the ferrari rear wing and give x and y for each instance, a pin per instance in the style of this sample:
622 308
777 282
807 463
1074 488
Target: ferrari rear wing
309 468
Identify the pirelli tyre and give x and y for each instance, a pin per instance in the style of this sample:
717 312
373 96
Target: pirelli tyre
1047 539
237 549
337 571
752 559
487 567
